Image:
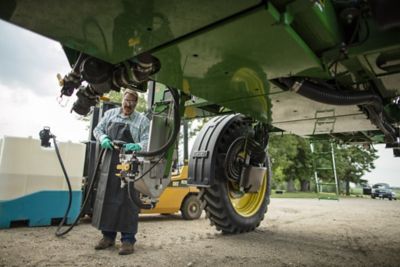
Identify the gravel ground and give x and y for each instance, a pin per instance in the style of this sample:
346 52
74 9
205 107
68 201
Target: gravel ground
295 232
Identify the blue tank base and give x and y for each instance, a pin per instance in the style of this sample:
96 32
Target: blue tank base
40 209
4 224
39 222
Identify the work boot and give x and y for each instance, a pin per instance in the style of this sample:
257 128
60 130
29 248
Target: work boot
104 243
126 249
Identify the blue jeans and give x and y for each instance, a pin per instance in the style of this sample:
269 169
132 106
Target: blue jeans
125 237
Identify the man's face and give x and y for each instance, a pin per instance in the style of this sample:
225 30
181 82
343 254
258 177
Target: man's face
128 104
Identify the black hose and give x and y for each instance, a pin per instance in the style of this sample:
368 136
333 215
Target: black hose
321 93
135 200
325 95
172 138
68 183
388 130
90 189
152 167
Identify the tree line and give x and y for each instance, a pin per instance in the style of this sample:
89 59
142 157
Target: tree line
294 163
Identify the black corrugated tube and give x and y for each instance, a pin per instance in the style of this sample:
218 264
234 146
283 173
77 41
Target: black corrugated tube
323 94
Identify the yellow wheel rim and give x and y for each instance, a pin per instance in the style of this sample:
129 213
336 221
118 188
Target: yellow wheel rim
247 204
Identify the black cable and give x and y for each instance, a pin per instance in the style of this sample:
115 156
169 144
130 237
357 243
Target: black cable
136 201
351 42
367 33
90 189
68 183
146 172
355 32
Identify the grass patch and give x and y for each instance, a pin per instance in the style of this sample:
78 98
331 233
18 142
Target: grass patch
397 191
356 191
294 195
314 195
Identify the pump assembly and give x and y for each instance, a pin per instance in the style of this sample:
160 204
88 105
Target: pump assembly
148 170
101 77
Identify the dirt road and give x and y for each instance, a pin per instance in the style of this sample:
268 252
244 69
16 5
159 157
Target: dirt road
295 232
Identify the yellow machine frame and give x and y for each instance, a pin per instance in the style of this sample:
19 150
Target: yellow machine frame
172 198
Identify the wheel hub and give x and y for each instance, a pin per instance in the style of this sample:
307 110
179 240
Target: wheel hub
246 204
193 208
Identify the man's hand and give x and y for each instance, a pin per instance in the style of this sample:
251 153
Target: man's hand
106 143
132 147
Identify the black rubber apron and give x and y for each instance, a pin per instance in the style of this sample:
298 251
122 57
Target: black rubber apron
113 211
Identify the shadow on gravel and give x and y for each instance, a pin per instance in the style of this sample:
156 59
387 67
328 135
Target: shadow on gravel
161 217
146 218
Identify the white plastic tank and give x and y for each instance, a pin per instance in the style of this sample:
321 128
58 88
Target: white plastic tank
26 169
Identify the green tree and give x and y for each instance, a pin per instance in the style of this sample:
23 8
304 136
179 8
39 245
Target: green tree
304 164
352 162
291 161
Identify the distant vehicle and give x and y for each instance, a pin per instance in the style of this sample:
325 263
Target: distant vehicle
382 191
367 190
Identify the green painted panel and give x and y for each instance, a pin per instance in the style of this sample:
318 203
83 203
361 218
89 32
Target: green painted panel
234 62
257 107
316 22
119 29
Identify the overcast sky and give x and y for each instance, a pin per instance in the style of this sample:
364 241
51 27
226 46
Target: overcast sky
29 88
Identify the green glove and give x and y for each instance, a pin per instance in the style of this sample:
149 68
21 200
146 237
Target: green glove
106 143
132 147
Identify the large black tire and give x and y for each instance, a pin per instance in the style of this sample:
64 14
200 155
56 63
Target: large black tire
219 198
191 207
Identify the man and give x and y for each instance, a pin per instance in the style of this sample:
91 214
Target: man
113 211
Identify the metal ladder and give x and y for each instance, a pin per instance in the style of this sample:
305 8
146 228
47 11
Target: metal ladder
318 153
324 121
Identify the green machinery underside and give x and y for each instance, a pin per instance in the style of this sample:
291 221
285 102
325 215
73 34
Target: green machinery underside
229 54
